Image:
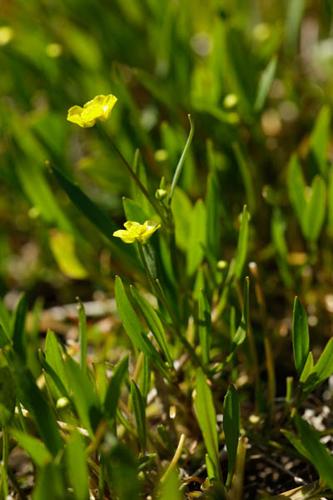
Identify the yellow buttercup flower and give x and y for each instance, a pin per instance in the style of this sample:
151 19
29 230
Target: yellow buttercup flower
98 108
135 232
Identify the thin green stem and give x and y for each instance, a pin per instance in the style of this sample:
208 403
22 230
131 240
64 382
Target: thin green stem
181 160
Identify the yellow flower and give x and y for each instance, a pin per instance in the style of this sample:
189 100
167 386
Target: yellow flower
137 232
98 108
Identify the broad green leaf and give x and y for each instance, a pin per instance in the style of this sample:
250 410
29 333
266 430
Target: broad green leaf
77 470
204 321
300 335
231 426
133 326
139 414
206 417
242 245
320 138
265 83
114 388
154 323
296 188
315 210
84 396
170 487
7 396
317 453
33 446
197 237
19 340
63 249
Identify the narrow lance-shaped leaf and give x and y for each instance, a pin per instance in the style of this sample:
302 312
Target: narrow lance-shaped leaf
133 326
154 323
83 336
204 318
324 366
320 138
114 388
231 426
33 446
300 335
315 209
18 328
317 453
77 470
206 417
242 244
139 414
296 188
265 83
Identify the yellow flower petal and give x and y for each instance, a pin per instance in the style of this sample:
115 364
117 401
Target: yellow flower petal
99 108
137 232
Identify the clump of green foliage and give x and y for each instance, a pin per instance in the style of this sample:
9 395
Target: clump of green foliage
217 158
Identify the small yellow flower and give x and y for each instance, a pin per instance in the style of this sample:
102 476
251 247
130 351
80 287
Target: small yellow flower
98 108
137 232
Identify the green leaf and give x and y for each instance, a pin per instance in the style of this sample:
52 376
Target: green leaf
33 446
54 360
204 321
50 483
206 417
139 414
242 245
84 396
197 237
19 341
7 396
154 323
320 138
296 188
315 210
122 471
77 470
181 210
133 326
324 366
293 22
181 161
246 171
231 426
300 335
134 211
317 453
63 248
40 410
83 336
114 388
265 83
330 201
214 212
308 368
170 487
92 212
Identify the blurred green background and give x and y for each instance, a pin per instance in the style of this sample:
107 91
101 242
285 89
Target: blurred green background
253 74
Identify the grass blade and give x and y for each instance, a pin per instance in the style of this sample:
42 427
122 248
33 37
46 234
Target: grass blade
231 425
300 335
